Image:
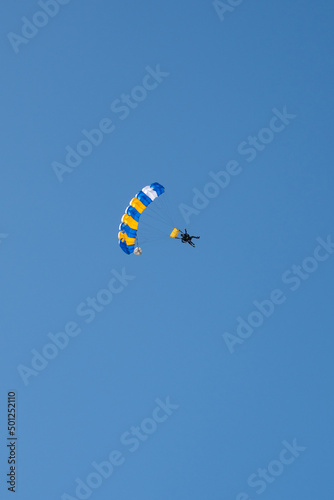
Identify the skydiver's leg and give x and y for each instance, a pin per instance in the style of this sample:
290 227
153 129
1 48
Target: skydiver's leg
197 237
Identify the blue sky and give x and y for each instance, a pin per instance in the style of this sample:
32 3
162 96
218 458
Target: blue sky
161 370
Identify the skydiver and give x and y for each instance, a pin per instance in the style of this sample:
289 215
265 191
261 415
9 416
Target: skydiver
186 238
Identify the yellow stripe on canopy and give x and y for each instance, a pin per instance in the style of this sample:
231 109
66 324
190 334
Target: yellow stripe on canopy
127 219
137 204
124 237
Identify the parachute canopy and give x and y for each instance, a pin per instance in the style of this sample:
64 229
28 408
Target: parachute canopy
129 223
174 233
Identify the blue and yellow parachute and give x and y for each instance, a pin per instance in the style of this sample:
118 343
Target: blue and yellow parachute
128 228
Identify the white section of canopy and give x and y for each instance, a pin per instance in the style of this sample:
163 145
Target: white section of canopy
150 192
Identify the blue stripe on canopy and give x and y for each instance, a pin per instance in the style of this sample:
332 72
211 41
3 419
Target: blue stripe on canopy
124 247
133 213
143 198
132 233
158 188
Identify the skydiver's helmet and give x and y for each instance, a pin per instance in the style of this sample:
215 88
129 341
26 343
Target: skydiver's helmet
137 251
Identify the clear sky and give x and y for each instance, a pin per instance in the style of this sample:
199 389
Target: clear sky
200 374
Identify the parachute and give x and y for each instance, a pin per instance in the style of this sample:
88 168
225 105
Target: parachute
128 228
174 233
